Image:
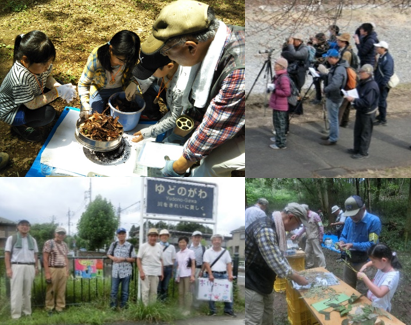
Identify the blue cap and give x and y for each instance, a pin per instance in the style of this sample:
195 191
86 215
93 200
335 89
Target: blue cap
119 230
333 53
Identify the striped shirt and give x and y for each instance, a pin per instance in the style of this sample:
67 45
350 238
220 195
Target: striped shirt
58 252
19 87
225 115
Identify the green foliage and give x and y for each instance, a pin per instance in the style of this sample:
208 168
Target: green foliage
15 5
97 224
192 226
42 232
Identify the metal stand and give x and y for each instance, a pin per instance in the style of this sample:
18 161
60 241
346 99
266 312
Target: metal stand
301 99
268 75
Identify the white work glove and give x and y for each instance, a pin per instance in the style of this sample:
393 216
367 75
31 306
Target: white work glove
270 87
67 92
323 69
131 91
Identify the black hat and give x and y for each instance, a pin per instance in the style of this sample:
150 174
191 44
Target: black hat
22 221
149 64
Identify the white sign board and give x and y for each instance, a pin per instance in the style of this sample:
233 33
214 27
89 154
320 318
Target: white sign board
218 290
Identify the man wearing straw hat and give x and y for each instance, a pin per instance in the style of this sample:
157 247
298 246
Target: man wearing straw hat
265 244
150 266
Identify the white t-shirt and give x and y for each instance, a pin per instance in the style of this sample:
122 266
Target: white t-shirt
211 255
389 279
182 259
151 257
22 255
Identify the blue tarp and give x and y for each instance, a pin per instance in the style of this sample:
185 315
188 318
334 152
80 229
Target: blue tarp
334 239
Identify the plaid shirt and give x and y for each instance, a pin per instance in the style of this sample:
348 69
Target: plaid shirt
262 247
94 78
224 117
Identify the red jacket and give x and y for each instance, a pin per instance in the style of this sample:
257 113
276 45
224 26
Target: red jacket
278 100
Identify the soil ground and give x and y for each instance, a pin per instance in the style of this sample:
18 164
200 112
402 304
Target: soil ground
75 28
400 302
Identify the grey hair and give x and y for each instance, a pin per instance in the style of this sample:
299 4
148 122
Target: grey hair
202 36
262 201
217 236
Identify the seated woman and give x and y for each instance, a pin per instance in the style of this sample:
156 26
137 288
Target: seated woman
108 71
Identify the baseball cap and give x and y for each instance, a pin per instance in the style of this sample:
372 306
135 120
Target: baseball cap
367 68
119 230
164 232
149 64
382 44
333 53
23 221
176 19
152 231
196 233
352 205
335 208
297 210
61 229
299 36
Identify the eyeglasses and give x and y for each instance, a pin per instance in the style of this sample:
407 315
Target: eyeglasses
165 49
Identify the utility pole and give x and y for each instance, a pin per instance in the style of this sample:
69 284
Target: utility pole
87 194
118 215
69 214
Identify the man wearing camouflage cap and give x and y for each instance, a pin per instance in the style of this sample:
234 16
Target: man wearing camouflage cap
189 34
361 231
366 106
265 244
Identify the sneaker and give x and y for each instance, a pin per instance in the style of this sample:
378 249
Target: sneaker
384 123
28 133
352 151
4 160
230 313
328 143
272 139
211 313
273 146
274 132
359 156
325 137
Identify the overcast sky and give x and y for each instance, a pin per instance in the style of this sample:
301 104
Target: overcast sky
39 199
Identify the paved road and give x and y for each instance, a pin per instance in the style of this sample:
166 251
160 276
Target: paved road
305 157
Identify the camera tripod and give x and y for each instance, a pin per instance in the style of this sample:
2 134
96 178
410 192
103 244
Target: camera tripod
268 75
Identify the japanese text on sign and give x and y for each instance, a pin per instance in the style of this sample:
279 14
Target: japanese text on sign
180 199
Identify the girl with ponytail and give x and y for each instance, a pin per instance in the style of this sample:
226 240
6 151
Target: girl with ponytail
29 87
383 286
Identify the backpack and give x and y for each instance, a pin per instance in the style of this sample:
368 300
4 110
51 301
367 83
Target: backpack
355 61
293 98
352 78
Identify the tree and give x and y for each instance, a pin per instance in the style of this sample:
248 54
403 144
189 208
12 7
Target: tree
43 232
97 224
192 226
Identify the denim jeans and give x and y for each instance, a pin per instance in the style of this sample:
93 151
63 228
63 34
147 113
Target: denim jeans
332 111
162 291
115 284
99 99
228 306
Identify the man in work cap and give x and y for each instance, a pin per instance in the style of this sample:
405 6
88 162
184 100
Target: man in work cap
361 231
267 235
169 257
189 34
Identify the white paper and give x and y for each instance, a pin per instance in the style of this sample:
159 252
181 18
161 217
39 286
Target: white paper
153 154
218 290
313 72
350 93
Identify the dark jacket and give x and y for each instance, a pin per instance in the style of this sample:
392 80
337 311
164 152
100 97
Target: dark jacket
320 49
337 78
385 69
369 93
259 276
279 97
366 49
296 56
